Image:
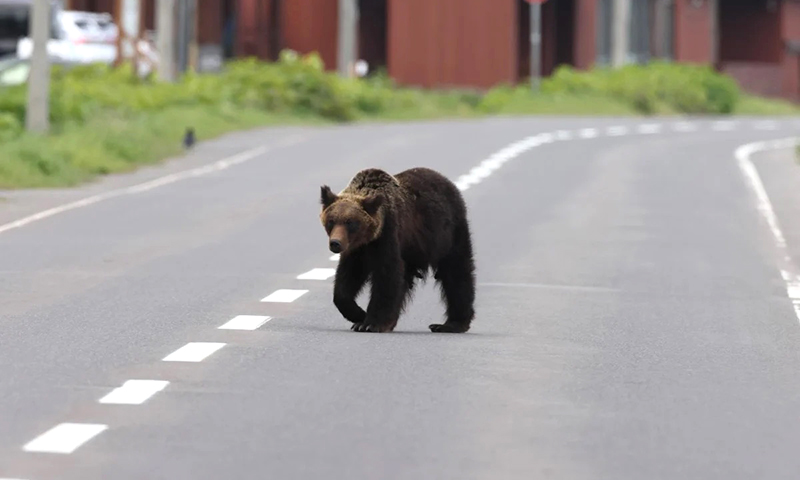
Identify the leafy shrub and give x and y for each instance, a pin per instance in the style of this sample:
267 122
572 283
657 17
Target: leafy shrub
680 87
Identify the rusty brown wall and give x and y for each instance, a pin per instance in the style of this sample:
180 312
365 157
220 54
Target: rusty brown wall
453 42
749 32
210 16
791 62
585 39
693 32
311 25
252 28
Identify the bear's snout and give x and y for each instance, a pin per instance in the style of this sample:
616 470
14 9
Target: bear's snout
336 246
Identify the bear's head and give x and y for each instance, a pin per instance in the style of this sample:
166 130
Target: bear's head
351 221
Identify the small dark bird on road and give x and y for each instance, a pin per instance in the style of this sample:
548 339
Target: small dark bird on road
188 138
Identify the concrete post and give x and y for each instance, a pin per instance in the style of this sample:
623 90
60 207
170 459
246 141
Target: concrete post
620 26
536 45
347 44
165 39
37 113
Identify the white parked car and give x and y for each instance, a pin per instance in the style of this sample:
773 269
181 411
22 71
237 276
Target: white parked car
80 37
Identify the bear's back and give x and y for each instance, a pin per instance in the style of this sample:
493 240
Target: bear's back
370 180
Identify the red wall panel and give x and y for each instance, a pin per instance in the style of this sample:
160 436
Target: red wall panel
209 21
444 43
311 26
791 62
252 28
585 39
693 32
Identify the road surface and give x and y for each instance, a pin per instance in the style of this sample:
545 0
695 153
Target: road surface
634 312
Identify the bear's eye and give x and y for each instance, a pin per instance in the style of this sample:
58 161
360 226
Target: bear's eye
352 225
329 225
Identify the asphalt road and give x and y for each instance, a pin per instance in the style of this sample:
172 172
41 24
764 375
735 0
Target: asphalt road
632 317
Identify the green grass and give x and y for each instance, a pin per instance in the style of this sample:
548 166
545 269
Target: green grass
106 122
750 105
113 143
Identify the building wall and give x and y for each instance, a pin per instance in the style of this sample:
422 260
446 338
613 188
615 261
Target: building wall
209 21
694 32
452 42
749 32
252 28
791 62
311 25
585 34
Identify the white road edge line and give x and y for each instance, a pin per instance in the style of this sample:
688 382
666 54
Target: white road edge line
743 154
284 296
219 165
134 392
193 352
64 438
245 322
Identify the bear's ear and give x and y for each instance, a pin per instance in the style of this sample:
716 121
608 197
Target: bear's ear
371 204
327 196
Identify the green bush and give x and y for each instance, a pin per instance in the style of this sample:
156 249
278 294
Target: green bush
653 87
300 85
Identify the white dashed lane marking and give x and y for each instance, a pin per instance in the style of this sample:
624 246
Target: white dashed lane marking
588 133
64 438
725 125
134 392
245 322
284 296
193 352
317 274
334 258
648 128
684 127
617 131
765 125
563 135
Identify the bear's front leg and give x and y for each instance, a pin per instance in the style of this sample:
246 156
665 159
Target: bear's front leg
351 275
385 304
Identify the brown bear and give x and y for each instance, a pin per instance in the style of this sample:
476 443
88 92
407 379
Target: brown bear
391 229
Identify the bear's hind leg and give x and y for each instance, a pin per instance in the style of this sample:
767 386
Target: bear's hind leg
456 276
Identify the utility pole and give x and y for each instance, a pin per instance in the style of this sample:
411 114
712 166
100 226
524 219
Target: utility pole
347 44
620 24
165 39
536 43
37 113
186 35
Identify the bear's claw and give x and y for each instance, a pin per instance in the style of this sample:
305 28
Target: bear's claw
370 327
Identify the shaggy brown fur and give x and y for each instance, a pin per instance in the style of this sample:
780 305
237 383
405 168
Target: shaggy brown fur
392 230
